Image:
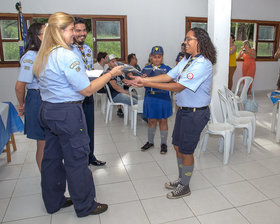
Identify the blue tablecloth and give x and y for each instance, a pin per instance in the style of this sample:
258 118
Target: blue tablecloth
14 124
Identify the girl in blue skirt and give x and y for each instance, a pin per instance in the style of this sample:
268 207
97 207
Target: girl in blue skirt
157 102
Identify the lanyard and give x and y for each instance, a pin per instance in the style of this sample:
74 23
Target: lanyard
83 54
187 65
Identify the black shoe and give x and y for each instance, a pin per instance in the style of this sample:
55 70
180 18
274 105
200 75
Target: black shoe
163 149
67 203
99 209
146 146
97 163
120 113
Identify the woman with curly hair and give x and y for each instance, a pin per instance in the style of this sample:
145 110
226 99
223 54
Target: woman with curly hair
192 78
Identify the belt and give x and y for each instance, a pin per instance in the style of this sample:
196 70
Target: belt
79 101
193 109
34 90
155 92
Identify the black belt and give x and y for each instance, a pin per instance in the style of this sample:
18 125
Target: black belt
79 101
193 109
34 90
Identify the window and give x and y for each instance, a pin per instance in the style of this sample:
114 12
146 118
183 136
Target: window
105 33
263 35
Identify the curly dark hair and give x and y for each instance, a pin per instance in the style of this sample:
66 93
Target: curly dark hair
205 45
33 42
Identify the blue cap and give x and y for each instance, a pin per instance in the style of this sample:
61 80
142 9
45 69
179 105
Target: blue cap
157 50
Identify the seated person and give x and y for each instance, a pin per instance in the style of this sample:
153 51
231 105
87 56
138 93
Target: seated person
101 63
118 93
132 60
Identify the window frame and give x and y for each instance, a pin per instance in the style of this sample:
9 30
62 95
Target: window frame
122 39
276 24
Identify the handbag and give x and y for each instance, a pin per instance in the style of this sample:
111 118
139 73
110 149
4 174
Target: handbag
251 104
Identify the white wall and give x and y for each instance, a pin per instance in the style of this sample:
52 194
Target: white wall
150 22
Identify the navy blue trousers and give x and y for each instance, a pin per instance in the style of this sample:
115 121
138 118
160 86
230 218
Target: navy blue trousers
66 158
88 107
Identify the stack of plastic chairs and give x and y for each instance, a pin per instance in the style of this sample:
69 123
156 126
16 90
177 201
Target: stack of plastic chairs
244 123
223 129
240 113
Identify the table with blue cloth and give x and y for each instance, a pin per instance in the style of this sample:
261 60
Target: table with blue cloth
10 123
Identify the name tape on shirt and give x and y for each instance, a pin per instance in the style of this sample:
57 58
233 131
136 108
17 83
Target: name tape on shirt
28 61
189 75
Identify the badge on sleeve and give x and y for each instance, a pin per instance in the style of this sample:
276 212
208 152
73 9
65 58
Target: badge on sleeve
189 76
74 64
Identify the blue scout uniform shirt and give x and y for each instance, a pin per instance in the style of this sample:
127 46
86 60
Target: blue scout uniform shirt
88 55
197 79
151 71
63 78
26 70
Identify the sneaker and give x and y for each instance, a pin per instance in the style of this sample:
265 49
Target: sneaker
120 113
147 146
179 192
173 184
99 209
163 149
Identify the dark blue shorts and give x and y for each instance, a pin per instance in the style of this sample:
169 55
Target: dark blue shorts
32 128
187 129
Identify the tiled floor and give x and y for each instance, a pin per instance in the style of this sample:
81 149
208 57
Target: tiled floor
246 191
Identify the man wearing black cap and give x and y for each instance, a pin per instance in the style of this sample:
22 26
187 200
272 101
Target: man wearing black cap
85 53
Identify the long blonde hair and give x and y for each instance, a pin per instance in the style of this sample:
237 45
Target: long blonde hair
52 37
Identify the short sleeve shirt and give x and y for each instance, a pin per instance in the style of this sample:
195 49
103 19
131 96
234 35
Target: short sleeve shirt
197 79
26 70
63 78
88 55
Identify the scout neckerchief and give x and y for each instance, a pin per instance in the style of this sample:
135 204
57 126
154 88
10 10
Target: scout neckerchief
83 54
187 65
154 68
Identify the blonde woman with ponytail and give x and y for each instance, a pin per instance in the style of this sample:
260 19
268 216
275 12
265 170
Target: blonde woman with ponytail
63 85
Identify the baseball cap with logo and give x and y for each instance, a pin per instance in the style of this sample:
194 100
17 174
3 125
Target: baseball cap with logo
111 57
157 50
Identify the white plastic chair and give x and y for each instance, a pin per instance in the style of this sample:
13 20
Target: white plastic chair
237 122
243 84
136 108
223 129
241 113
103 101
111 103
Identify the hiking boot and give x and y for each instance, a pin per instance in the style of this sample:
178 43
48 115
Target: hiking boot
179 192
173 184
163 149
146 146
99 209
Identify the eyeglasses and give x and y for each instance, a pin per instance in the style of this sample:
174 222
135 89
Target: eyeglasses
188 39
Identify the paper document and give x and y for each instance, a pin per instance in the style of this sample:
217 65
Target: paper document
94 73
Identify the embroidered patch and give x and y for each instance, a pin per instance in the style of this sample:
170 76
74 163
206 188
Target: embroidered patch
188 174
89 55
189 76
28 61
74 64
27 67
78 69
